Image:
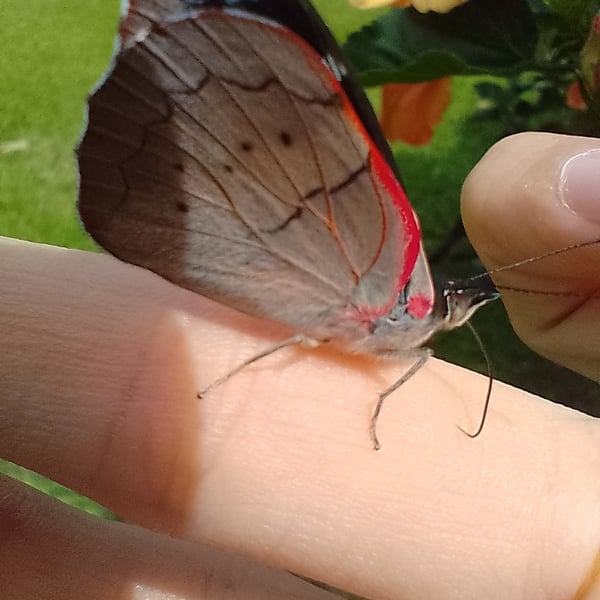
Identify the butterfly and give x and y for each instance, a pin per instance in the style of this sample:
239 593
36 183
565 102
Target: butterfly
231 150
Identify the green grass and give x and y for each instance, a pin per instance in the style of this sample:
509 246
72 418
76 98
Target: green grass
54 489
52 56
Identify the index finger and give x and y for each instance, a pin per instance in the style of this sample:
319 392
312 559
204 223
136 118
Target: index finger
99 372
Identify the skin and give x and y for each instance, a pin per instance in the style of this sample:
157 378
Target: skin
273 471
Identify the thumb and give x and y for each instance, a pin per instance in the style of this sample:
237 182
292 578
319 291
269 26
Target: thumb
532 194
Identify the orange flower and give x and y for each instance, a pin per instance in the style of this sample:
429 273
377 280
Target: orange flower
440 6
574 98
410 111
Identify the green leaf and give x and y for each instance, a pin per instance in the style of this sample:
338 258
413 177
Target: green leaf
576 13
479 37
538 7
490 91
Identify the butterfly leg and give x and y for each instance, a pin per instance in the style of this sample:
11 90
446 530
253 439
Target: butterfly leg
297 339
421 356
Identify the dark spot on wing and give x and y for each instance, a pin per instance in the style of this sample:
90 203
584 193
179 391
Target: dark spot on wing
286 138
247 146
182 207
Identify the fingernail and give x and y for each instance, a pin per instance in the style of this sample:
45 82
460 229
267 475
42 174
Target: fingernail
579 186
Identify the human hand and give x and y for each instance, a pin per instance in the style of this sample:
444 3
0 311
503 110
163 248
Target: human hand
514 208
273 471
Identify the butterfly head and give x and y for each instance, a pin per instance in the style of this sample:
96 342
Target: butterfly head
461 298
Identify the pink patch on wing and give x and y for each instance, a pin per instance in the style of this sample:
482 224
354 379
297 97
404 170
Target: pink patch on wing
419 306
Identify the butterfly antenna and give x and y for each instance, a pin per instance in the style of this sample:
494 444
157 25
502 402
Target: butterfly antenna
488 394
534 259
506 288
486 274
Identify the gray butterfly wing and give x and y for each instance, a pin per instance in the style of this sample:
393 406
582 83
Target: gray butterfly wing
221 154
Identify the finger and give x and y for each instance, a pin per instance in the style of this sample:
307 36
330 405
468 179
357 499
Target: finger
49 550
532 194
101 369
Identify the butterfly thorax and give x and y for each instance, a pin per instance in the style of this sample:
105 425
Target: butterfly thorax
402 330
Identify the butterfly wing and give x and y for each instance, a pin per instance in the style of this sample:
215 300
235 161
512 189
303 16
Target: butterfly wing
223 154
